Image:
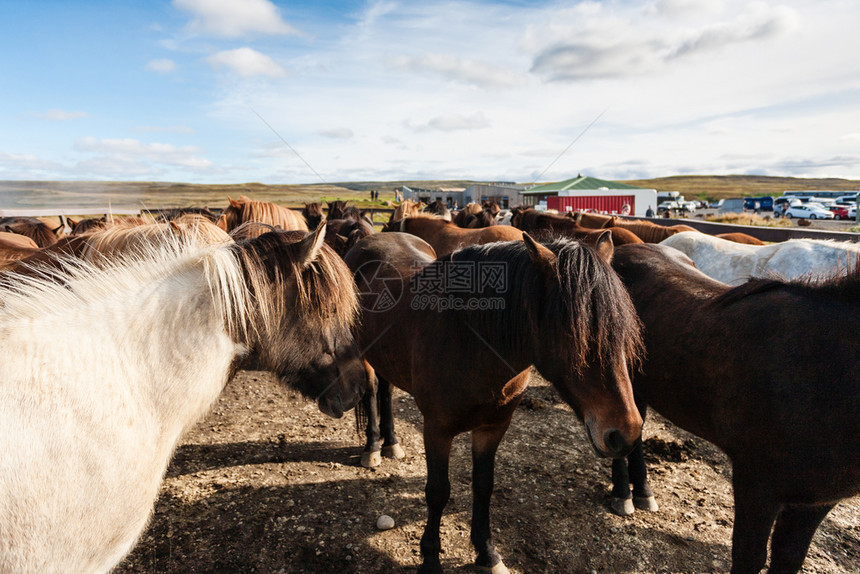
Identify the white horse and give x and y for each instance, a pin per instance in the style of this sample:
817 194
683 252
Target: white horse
105 366
735 263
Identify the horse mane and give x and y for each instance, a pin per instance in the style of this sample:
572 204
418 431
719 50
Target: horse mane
323 296
246 209
836 286
588 303
245 281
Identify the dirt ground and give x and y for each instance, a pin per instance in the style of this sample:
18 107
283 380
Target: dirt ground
266 483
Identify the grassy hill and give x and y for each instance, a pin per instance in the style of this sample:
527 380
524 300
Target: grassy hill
712 187
151 195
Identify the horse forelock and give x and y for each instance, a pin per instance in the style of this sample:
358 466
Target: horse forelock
597 305
324 289
588 306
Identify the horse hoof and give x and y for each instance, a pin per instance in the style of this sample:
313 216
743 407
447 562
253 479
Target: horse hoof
645 503
499 568
393 451
371 459
622 506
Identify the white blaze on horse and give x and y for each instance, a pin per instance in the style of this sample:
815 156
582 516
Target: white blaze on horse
735 263
105 366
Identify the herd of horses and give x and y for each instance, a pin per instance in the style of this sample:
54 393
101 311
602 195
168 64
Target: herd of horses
616 314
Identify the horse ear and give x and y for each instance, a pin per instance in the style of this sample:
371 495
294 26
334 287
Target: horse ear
174 227
577 216
310 246
234 203
541 256
222 222
604 246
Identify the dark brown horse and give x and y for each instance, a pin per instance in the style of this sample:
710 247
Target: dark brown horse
506 306
438 208
537 223
742 367
313 214
341 234
340 209
445 236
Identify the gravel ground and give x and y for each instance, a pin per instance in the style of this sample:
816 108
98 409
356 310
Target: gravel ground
266 483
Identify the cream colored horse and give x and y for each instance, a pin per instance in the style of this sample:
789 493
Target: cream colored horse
105 369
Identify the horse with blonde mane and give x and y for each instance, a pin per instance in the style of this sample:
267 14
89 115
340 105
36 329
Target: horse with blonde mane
246 209
407 208
84 449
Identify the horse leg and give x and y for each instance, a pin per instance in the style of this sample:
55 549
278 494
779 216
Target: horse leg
371 457
485 442
390 446
437 449
792 535
755 511
643 496
632 469
622 501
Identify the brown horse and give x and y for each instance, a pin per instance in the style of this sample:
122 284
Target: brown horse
446 237
535 222
466 214
740 238
506 306
87 225
646 231
39 231
313 214
341 234
438 208
14 247
742 368
407 208
245 209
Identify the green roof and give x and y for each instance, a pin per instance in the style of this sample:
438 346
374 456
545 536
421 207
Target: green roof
579 182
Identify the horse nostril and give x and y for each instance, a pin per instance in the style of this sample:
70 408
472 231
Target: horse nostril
615 443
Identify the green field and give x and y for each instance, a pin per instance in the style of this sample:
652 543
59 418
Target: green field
153 195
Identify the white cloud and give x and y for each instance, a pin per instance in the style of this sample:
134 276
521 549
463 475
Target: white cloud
454 122
337 133
454 68
638 46
246 62
122 150
163 65
234 18
61 115
164 129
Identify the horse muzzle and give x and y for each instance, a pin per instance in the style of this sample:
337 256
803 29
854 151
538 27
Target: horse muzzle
611 442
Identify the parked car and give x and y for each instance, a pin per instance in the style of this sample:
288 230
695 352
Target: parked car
765 203
664 205
839 211
807 211
852 213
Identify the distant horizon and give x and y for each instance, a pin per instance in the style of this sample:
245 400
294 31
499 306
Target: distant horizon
300 92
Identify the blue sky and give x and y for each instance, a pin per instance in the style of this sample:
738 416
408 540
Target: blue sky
227 91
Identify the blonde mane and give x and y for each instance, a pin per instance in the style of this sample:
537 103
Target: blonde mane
245 209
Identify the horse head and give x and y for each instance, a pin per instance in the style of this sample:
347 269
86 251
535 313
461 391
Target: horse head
306 307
